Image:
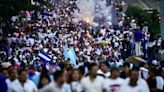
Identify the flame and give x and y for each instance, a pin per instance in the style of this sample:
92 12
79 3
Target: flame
88 20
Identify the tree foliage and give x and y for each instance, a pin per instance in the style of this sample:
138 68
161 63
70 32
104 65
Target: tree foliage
142 17
9 8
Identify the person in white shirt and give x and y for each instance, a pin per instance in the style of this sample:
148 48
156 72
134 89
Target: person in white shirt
134 83
12 77
104 70
144 73
73 81
93 82
58 85
22 84
160 83
155 81
114 83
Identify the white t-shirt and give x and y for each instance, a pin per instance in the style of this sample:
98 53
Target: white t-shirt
73 86
144 72
9 84
76 86
103 31
141 86
128 88
160 82
97 85
159 41
98 52
113 85
29 86
105 74
31 41
52 87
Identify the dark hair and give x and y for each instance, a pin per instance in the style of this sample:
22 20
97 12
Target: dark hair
44 71
106 63
58 74
1 70
41 77
114 69
82 69
70 78
91 65
126 64
21 70
134 69
61 65
10 70
153 70
68 59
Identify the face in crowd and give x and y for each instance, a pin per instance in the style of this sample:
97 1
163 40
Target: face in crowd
115 73
93 68
134 75
104 67
75 75
22 76
59 77
12 74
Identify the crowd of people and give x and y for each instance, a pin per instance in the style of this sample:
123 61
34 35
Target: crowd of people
101 53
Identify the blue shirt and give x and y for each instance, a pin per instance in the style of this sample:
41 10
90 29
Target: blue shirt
138 35
3 84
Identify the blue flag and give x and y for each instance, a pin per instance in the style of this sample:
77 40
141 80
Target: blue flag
65 51
44 14
44 56
70 54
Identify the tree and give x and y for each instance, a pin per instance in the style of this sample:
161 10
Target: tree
152 19
9 8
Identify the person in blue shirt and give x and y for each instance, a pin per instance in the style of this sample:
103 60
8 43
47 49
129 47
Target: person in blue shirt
138 39
3 84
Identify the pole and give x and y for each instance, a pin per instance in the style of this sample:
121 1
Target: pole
162 18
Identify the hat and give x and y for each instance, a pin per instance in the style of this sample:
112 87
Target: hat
116 44
45 50
6 65
54 57
154 62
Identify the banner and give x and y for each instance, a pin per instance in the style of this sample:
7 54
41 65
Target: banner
70 54
44 56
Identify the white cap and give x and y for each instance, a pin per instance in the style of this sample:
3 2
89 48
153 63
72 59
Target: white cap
154 62
54 57
6 64
116 44
133 20
45 50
